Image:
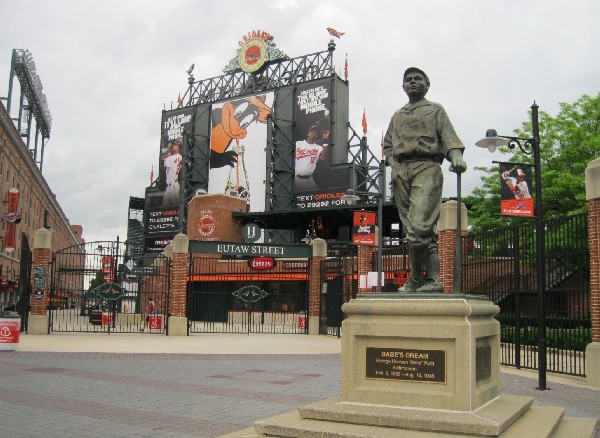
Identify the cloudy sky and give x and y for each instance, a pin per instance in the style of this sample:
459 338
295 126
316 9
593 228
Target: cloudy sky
109 67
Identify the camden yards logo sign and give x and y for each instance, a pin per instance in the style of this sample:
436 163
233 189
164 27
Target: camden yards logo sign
363 230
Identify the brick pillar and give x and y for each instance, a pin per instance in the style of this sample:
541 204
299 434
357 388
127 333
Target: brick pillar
592 192
365 264
319 253
178 324
447 241
42 256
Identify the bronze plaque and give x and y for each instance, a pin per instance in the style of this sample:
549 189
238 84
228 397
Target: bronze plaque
406 364
483 362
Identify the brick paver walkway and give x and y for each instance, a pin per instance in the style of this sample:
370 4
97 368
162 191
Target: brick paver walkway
183 395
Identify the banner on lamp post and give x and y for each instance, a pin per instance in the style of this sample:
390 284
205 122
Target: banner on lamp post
363 230
11 218
515 195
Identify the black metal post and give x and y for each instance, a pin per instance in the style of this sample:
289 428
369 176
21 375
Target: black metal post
540 250
457 286
380 225
182 180
517 292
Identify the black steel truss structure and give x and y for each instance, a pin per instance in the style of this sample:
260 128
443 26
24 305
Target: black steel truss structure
275 75
281 75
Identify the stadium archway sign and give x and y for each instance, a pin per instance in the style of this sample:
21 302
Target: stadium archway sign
249 249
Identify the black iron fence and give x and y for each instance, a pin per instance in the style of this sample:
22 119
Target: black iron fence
502 265
395 266
227 296
339 284
106 287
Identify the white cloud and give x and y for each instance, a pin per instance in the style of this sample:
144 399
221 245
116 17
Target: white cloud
109 67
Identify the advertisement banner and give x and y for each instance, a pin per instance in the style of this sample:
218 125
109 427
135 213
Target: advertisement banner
171 147
161 226
11 218
238 144
108 268
161 214
317 183
515 195
363 230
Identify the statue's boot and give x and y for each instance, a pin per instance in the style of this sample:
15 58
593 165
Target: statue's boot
432 282
417 256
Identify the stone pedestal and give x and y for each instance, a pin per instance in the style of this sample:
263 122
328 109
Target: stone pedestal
421 365
438 353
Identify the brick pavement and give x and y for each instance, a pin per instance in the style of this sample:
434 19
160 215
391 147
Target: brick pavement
54 394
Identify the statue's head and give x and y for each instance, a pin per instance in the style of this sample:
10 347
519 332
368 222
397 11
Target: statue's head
415 82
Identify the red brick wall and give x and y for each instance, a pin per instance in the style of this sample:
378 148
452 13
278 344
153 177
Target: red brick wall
594 236
314 294
446 247
18 170
447 254
365 261
210 218
179 274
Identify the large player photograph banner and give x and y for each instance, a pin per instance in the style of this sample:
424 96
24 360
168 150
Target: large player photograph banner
161 216
171 147
515 195
238 145
316 183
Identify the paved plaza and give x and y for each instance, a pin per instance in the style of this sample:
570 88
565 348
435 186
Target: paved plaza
75 385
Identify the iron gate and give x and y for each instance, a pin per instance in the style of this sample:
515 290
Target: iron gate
339 284
228 296
501 264
108 287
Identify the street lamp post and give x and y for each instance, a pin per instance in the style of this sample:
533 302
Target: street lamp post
531 146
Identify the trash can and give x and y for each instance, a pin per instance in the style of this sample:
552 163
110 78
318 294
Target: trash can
10 331
107 318
302 320
155 322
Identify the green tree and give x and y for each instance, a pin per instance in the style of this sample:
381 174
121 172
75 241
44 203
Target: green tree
568 142
98 280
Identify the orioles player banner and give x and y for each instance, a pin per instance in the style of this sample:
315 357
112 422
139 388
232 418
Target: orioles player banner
515 195
363 230
317 183
171 147
238 142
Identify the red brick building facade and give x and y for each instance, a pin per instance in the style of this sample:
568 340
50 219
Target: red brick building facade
37 206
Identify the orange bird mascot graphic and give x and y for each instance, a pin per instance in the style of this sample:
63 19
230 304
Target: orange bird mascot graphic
235 116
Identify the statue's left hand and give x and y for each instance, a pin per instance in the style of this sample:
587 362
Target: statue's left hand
458 164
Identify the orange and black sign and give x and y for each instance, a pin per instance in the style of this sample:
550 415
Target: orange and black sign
363 231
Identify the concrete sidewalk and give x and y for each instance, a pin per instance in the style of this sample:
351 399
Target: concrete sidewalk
209 343
147 385
217 343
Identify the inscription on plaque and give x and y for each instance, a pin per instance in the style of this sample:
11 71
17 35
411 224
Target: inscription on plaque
406 364
483 362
